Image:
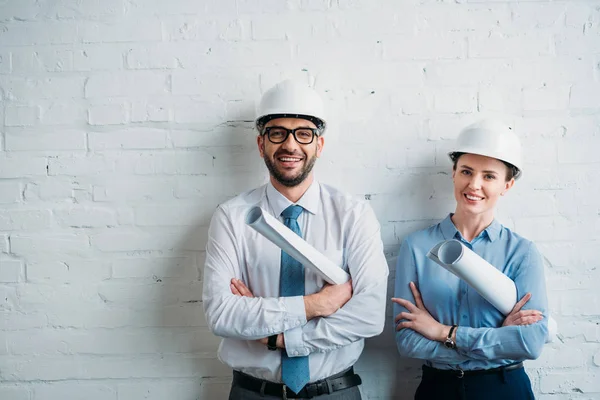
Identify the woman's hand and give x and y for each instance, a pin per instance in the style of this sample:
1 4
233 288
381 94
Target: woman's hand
525 317
418 318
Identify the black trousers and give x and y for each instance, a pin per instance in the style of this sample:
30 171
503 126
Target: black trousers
502 385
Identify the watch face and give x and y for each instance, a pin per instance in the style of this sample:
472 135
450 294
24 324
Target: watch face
449 344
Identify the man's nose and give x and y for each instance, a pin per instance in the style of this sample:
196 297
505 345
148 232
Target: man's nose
290 143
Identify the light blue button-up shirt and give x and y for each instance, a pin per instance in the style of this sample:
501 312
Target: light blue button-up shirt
481 340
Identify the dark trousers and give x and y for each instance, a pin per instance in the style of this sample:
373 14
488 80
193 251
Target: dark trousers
502 385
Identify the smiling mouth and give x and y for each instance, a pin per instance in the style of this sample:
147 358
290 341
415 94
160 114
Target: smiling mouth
289 159
473 198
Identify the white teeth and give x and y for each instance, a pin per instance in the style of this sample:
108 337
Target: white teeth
286 159
473 197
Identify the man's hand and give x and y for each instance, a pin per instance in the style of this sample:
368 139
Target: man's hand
239 289
418 318
326 302
525 317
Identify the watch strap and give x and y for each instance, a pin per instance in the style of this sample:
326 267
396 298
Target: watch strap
272 342
452 328
449 343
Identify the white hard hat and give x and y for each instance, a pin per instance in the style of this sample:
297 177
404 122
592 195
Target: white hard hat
291 99
491 138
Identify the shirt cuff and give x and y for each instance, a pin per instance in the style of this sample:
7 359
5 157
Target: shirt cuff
294 345
462 337
294 307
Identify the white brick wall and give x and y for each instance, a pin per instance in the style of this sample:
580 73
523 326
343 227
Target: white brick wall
123 123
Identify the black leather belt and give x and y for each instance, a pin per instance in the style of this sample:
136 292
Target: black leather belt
343 380
459 373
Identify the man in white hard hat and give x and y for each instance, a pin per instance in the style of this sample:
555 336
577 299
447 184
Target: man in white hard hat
288 334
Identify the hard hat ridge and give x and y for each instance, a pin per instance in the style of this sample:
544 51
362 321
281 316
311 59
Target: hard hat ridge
291 99
490 138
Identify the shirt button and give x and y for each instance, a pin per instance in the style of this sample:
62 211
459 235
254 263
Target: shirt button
464 317
296 353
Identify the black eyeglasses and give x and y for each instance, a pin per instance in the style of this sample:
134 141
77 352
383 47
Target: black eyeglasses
279 134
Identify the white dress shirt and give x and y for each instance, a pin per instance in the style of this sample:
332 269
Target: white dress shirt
342 228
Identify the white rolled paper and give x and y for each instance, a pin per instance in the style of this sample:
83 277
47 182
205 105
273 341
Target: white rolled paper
482 276
497 288
284 238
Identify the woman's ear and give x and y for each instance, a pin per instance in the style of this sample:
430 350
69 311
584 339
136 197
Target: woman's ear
507 186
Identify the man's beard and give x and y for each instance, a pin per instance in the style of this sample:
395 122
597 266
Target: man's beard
294 181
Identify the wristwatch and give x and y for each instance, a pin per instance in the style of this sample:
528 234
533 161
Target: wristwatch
449 343
272 343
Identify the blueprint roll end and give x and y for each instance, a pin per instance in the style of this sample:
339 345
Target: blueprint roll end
253 215
450 252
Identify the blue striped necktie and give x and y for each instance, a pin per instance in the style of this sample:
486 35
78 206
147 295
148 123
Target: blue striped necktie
294 370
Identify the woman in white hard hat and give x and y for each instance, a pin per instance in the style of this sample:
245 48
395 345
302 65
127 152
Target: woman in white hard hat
472 350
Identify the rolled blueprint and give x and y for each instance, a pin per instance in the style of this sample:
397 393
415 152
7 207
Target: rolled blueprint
489 282
497 288
284 238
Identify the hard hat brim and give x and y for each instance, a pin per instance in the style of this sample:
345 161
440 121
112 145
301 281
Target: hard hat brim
262 121
485 153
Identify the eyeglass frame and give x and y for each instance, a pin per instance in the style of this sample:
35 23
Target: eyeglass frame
267 130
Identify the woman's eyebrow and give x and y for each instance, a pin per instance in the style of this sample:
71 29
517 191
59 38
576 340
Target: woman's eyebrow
486 171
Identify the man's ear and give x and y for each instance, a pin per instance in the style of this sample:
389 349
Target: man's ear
260 140
320 145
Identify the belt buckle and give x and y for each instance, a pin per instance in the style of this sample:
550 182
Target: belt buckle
284 392
461 374
312 390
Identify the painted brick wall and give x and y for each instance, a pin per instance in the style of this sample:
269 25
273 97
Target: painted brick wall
125 122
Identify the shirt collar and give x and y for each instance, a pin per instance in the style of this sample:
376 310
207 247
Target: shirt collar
450 232
493 231
309 200
448 229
